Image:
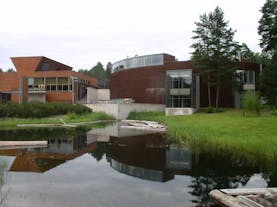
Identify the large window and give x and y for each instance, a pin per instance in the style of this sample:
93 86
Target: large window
53 84
179 88
138 61
5 97
249 77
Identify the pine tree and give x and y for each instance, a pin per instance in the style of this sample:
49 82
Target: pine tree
215 50
246 54
269 83
268 31
97 72
268 26
108 74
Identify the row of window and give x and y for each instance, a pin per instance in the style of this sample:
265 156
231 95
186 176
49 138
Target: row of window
179 88
53 80
5 97
50 87
246 76
179 101
140 61
54 84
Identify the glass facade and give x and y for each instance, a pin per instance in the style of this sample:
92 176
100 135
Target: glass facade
61 84
180 89
249 77
139 61
5 97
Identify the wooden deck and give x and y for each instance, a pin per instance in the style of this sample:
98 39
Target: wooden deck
245 197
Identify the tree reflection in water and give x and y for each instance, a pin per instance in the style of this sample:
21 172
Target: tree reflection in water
217 172
148 157
209 170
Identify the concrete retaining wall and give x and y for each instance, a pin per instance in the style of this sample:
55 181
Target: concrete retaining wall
121 111
125 109
95 96
103 94
91 95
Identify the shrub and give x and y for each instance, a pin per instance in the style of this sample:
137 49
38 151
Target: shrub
39 110
72 116
251 103
210 109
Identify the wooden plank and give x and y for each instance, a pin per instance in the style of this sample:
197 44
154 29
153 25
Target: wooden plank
245 191
273 191
249 202
22 144
226 200
264 201
64 125
144 128
138 121
39 125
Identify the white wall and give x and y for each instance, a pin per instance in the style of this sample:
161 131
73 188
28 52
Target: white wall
111 109
103 94
91 95
95 96
121 111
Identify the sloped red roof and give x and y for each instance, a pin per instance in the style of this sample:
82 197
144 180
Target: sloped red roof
26 65
40 66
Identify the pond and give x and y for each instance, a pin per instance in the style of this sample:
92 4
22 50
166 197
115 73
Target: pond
112 166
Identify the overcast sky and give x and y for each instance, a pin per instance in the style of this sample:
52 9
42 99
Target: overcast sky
80 33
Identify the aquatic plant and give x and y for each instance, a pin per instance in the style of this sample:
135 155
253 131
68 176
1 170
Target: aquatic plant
223 131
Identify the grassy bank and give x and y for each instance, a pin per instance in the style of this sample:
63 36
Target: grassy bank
9 123
254 136
46 133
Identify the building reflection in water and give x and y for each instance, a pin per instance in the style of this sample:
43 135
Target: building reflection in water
141 154
148 156
134 152
43 159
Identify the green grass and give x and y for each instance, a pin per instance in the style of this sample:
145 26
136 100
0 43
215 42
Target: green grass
9 123
71 118
229 130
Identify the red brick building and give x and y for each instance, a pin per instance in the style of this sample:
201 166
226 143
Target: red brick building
42 79
161 79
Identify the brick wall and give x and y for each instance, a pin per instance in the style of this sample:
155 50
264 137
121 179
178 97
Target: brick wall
59 97
148 84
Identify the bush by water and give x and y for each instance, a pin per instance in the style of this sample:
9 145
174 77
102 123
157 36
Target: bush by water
39 110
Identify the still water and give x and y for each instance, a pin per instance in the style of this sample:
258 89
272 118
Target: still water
112 167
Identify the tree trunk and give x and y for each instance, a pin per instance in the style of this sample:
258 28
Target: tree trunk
209 91
217 98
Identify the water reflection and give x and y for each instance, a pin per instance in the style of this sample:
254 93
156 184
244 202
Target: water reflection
43 159
114 160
